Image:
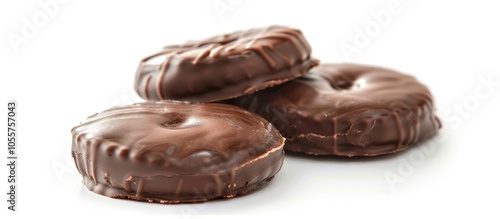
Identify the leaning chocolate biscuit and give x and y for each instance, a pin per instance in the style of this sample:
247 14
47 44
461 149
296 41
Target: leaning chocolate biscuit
171 152
348 110
224 66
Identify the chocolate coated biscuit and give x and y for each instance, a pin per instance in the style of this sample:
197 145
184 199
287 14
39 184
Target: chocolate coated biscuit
348 110
171 152
224 66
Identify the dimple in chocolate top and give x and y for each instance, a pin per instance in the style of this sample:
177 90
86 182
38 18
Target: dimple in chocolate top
224 66
337 90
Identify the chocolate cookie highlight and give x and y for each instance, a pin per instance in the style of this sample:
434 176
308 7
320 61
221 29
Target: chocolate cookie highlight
224 66
348 110
171 152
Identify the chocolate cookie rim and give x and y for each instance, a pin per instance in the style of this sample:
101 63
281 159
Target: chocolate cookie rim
125 191
126 149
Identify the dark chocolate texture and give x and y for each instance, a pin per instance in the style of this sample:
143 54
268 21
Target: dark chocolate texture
348 110
224 66
171 152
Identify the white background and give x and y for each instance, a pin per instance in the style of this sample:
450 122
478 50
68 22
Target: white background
83 57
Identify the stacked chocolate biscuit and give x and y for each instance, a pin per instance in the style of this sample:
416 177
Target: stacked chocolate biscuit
180 146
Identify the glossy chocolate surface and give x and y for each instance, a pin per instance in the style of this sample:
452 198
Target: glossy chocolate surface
348 110
172 152
224 66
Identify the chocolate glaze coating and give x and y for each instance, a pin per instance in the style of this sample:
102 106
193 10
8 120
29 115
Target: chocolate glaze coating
172 152
348 110
225 66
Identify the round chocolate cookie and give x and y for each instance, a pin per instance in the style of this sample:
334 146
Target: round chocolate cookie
171 152
348 110
225 66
